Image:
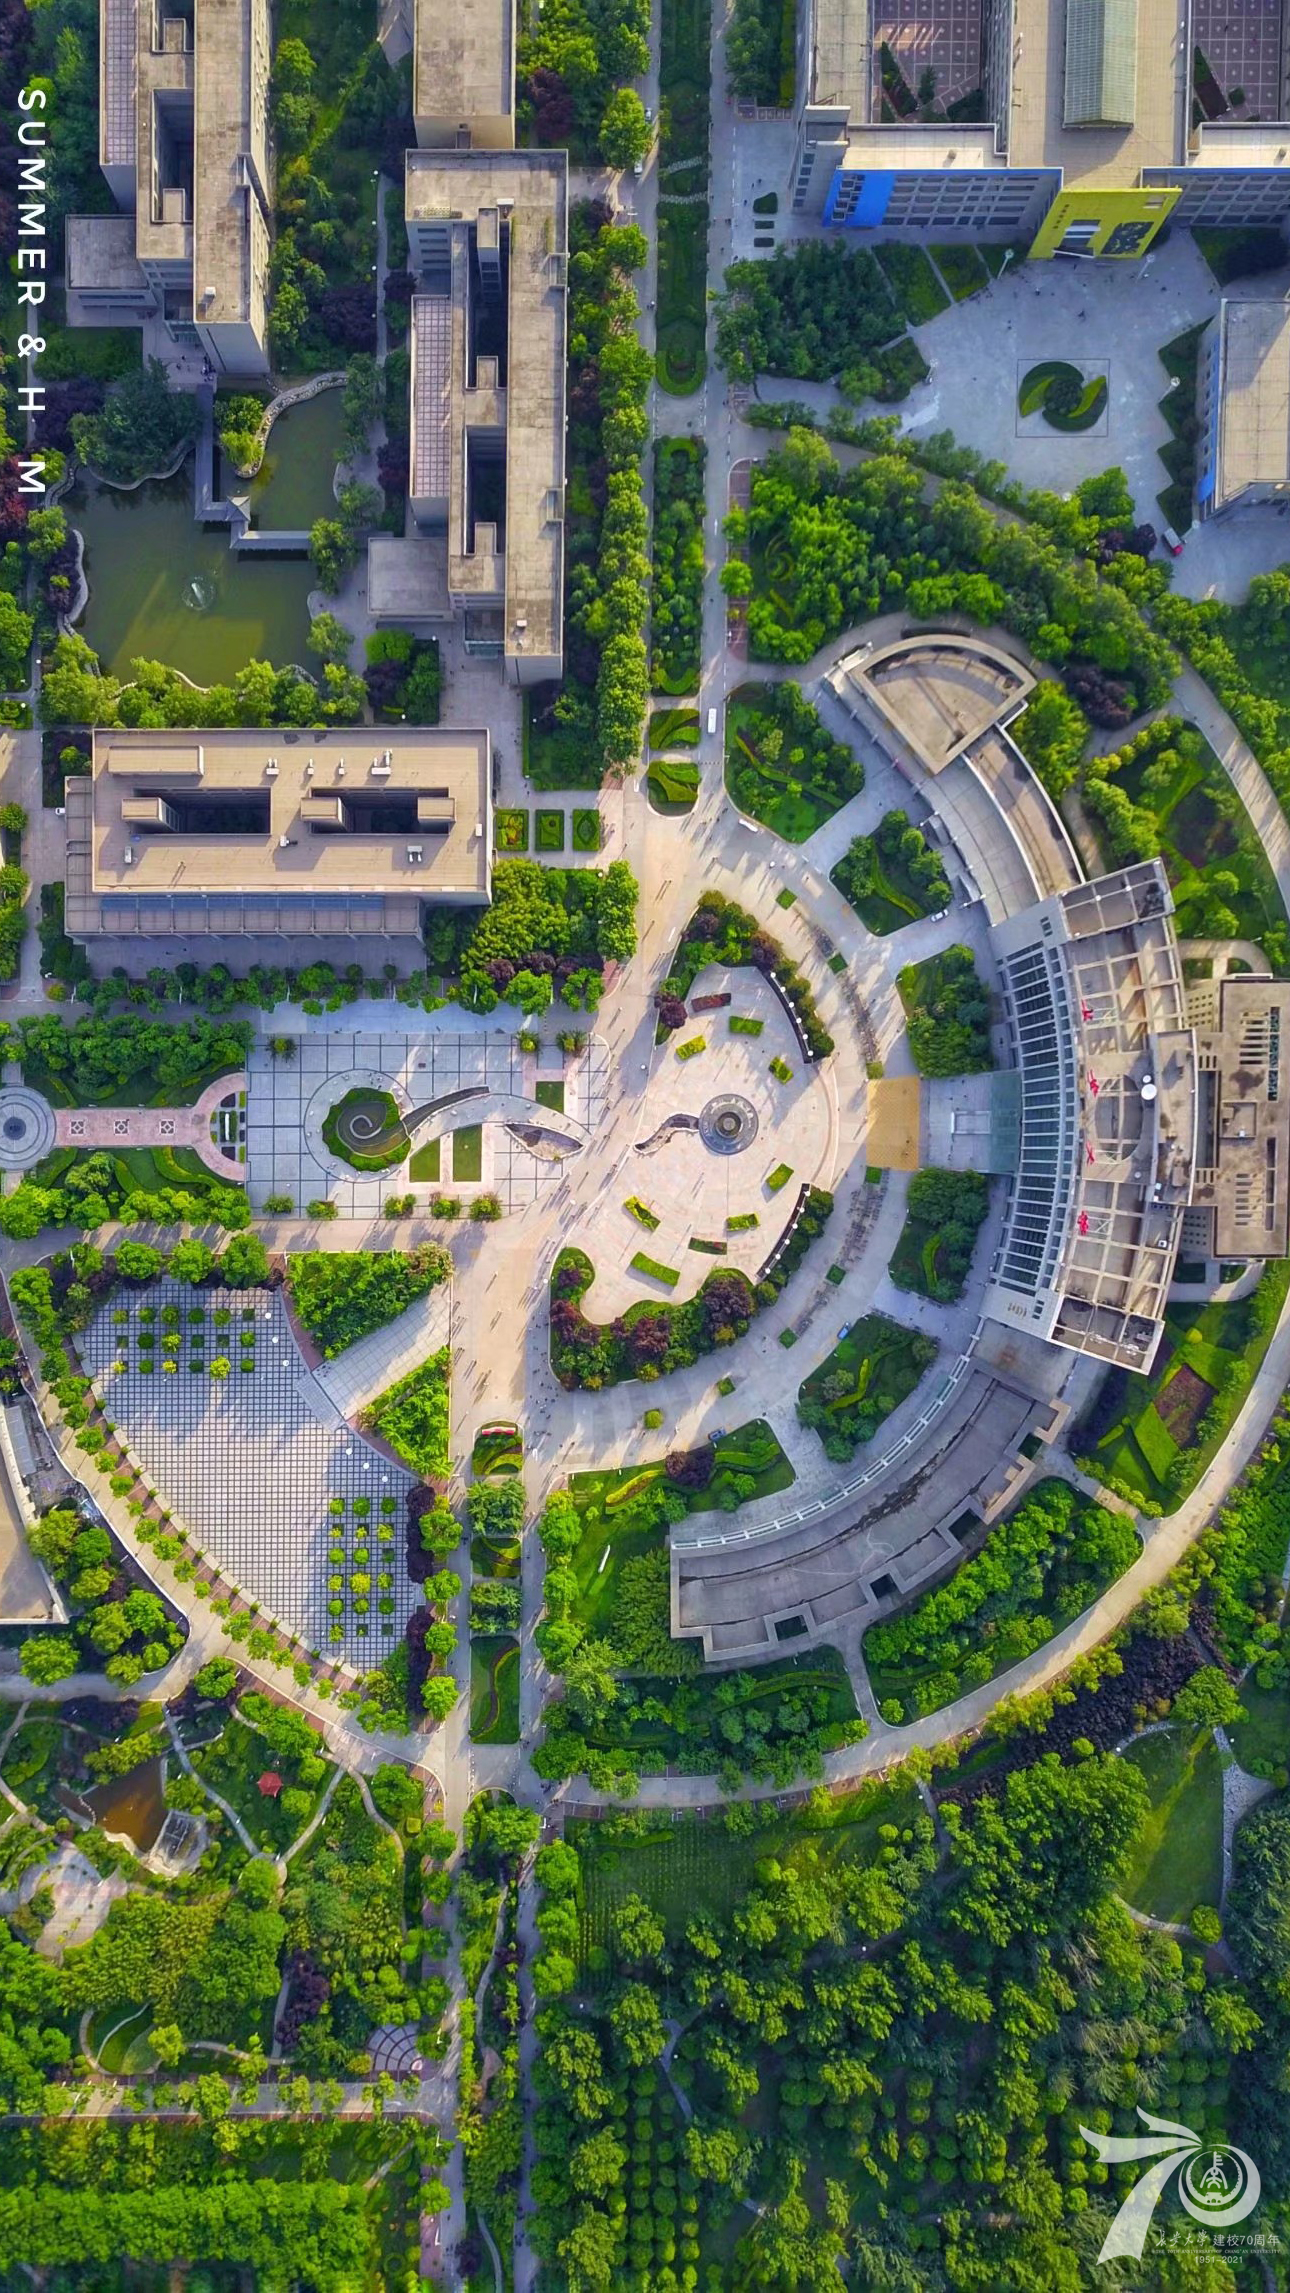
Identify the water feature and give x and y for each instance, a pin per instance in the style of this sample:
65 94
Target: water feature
163 588
131 1804
295 483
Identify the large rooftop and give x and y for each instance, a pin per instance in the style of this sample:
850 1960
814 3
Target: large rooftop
463 64
449 193
1254 409
304 831
1095 999
1240 1205
230 240
1100 88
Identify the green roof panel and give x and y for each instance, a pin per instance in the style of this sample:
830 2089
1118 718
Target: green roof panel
1101 63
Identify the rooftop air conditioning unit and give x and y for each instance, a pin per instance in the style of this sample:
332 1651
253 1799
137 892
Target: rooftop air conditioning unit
271 768
129 855
381 768
416 852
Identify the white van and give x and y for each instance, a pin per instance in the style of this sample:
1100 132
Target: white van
712 720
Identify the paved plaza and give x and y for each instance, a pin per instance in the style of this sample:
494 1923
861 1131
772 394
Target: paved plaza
289 1099
251 1464
681 1169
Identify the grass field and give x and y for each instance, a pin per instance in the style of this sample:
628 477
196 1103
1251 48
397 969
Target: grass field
1139 1426
468 1154
1177 1861
494 1688
697 1863
615 1532
869 1373
1264 1734
685 80
1202 827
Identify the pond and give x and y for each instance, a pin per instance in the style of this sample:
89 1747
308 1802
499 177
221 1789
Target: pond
163 588
131 1804
295 482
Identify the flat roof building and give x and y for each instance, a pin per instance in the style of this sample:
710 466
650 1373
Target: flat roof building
229 833
463 75
1085 123
1240 1205
1243 407
1093 987
184 148
488 243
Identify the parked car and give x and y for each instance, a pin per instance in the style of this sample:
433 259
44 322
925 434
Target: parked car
1172 541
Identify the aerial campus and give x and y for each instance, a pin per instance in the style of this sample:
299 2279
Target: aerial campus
644 1146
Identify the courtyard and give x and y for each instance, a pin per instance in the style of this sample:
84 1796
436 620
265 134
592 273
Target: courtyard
506 1118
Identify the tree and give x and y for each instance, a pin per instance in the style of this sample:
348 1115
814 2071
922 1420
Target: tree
1051 732
1209 1700
138 1261
191 1260
638 1930
15 644
1038 1857
244 1262
500 1829
168 2044
439 1528
396 1793
362 403
48 1657
637 2023
329 638
438 1695
589 1681
332 551
141 428
624 129
217 1678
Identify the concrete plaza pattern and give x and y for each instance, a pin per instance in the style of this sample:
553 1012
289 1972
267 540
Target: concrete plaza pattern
250 1464
288 1099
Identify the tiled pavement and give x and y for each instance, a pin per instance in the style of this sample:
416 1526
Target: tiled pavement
287 1100
250 1464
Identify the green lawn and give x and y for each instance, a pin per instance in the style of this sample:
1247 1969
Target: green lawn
874 877
1264 1735
1202 824
425 1161
468 1153
494 1688
867 1375
916 290
1138 1426
962 269
792 799
1177 1861
550 1093
697 1864
685 78
616 1530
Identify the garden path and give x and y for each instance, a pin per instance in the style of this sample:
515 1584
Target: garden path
120 1127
